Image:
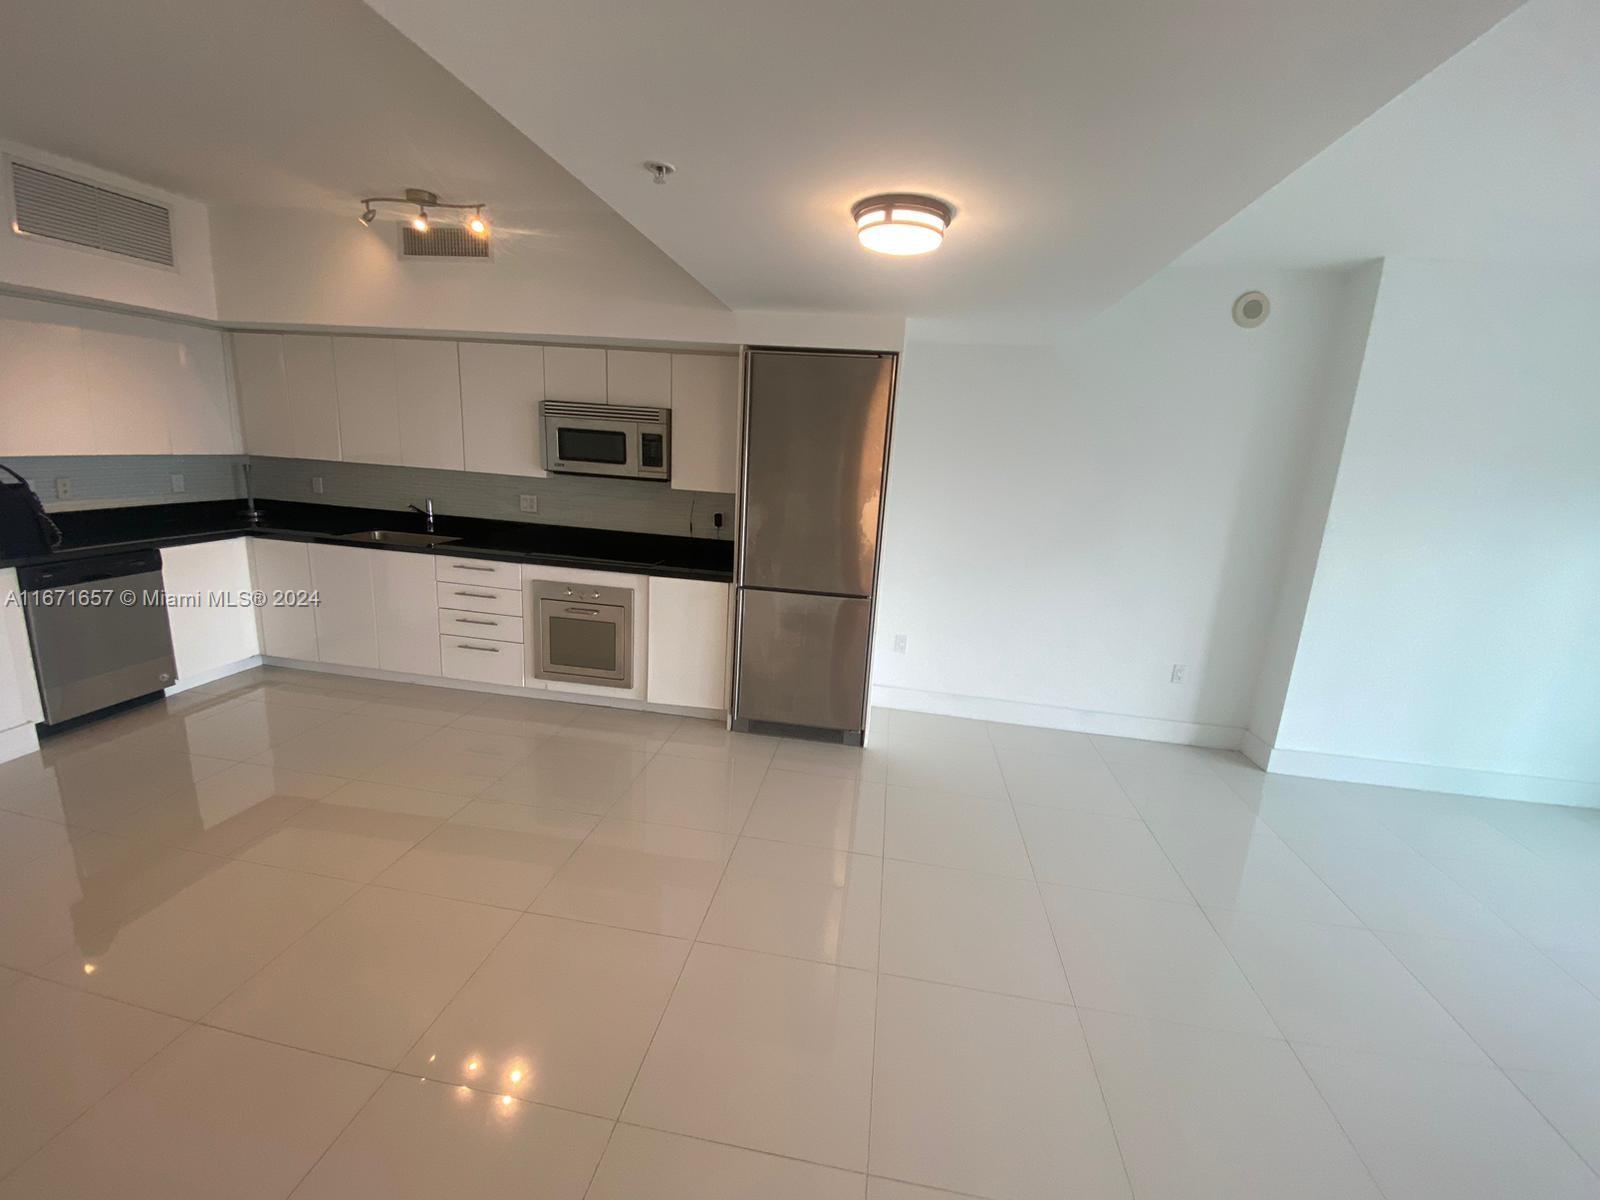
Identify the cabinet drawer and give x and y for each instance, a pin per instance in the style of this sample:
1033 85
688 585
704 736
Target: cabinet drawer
467 570
484 626
481 661
475 597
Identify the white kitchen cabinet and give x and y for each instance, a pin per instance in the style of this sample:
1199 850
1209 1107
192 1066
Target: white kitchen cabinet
129 366
288 622
263 397
481 660
427 376
688 643
369 414
705 422
575 373
19 691
501 386
44 399
313 396
212 623
347 621
201 417
639 377
407 611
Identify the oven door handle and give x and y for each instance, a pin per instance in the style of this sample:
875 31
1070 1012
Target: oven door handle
588 612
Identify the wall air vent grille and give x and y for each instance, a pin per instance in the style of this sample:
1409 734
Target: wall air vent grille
84 214
441 241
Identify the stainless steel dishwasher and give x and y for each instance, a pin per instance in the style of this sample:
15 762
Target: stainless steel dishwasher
99 632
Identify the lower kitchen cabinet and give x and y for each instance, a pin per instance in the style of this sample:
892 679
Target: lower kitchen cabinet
407 612
212 624
287 619
688 644
480 660
347 619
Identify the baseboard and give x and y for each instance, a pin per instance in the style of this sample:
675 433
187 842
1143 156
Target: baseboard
1256 750
211 676
493 689
17 741
1460 781
1049 716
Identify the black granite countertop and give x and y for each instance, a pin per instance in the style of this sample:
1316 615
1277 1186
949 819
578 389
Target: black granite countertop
96 531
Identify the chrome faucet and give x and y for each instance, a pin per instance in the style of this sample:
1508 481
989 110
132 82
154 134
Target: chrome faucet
427 512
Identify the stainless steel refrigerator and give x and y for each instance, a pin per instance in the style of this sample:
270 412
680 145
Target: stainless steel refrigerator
816 446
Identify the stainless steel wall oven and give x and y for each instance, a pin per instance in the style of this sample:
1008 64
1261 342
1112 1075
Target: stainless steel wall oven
585 633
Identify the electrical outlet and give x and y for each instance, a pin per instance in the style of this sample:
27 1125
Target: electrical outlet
899 643
316 484
63 488
1179 670
528 503
177 483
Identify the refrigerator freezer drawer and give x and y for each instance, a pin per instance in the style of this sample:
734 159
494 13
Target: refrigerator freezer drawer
802 659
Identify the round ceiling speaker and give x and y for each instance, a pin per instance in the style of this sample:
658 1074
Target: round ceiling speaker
1251 309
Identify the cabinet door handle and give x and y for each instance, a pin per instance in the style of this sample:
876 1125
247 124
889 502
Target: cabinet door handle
471 621
480 649
478 595
465 567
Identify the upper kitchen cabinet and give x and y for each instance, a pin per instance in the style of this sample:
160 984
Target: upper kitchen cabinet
44 403
428 398
642 377
201 417
705 422
501 386
129 366
263 397
312 393
574 373
369 412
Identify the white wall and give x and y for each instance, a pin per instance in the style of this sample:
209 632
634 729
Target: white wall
186 288
1454 620
1064 523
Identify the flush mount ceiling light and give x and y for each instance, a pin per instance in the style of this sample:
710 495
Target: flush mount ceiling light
477 224
901 224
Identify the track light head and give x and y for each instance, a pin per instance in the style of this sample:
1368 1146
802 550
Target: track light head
476 225
369 215
420 221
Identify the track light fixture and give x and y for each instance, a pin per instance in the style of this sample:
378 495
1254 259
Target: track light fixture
476 224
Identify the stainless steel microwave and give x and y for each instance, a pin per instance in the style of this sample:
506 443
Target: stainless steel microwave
607 439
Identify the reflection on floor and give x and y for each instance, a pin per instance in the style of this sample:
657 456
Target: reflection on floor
311 935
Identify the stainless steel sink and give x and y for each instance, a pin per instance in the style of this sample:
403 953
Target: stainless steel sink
393 537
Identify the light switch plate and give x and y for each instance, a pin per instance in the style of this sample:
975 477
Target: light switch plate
528 504
316 484
177 483
63 488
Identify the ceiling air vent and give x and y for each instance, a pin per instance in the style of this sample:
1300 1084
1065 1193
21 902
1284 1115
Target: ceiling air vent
441 241
70 210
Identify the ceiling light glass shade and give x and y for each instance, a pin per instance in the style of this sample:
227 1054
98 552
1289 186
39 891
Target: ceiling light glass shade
901 224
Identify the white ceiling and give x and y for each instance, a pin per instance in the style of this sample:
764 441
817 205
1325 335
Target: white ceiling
298 104
1085 144
1494 157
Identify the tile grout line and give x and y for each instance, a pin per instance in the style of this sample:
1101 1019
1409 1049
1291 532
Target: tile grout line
678 980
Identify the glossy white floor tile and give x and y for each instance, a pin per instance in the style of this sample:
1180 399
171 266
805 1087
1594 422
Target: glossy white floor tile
292 933
417 1140
990 1095
60 1051
1204 1112
1438 1129
802 901
561 1012
961 927
366 982
769 1053
1151 958
214 1114
665 1166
